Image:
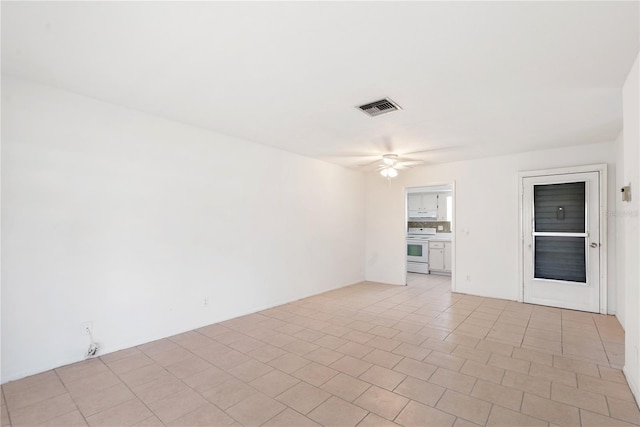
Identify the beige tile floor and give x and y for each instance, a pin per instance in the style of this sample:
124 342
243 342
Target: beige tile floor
366 355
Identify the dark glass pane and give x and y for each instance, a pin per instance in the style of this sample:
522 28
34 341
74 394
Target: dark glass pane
560 258
414 250
559 207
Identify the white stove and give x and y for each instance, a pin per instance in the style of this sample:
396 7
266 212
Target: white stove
421 233
418 249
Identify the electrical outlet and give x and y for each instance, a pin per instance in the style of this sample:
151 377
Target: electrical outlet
468 277
87 328
92 350
205 302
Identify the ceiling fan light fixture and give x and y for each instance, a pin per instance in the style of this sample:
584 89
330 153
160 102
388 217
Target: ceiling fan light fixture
389 172
390 159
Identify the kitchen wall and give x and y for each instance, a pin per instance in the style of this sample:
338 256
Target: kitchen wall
628 220
131 221
486 218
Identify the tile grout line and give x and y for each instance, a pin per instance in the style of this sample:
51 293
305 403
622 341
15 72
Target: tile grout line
6 405
292 386
606 353
67 390
311 315
173 375
213 364
403 408
580 415
606 399
130 389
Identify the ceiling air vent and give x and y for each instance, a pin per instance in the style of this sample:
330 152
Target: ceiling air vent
379 107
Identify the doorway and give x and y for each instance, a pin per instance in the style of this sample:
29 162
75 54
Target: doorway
429 217
563 239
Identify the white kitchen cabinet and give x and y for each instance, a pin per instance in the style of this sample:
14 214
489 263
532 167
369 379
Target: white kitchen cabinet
440 256
436 256
430 201
443 206
422 201
414 201
447 257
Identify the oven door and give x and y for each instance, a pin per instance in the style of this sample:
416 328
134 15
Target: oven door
417 251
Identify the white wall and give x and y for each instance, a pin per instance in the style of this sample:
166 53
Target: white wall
130 221
486 204
629 214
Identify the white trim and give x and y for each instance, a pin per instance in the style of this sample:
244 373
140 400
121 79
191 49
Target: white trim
453 237
521 238
604 248
563 171
604 242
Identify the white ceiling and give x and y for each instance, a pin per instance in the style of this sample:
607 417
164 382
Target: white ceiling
473 78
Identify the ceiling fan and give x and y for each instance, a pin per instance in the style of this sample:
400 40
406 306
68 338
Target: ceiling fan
391 163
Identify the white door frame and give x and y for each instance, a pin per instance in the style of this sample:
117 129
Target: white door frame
453 233
604 249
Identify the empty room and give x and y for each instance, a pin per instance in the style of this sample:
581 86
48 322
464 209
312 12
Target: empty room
320 213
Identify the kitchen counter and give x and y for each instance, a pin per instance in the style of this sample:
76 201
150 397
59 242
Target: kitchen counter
442 237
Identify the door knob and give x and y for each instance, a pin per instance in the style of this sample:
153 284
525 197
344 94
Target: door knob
594 245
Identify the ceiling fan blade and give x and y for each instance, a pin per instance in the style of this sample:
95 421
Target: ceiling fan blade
409 163
364 165
388 144
354 157
382 145
432 150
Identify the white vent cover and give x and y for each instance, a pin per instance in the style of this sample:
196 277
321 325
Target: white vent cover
382 106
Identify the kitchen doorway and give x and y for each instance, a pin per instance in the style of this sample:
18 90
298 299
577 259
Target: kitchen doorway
429 226
563 238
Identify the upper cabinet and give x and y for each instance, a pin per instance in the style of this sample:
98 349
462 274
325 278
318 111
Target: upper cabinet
422 201
444 206
422 206
430 201
434 206
414 201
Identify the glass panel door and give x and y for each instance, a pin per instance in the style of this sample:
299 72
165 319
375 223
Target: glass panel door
561 246
560 232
